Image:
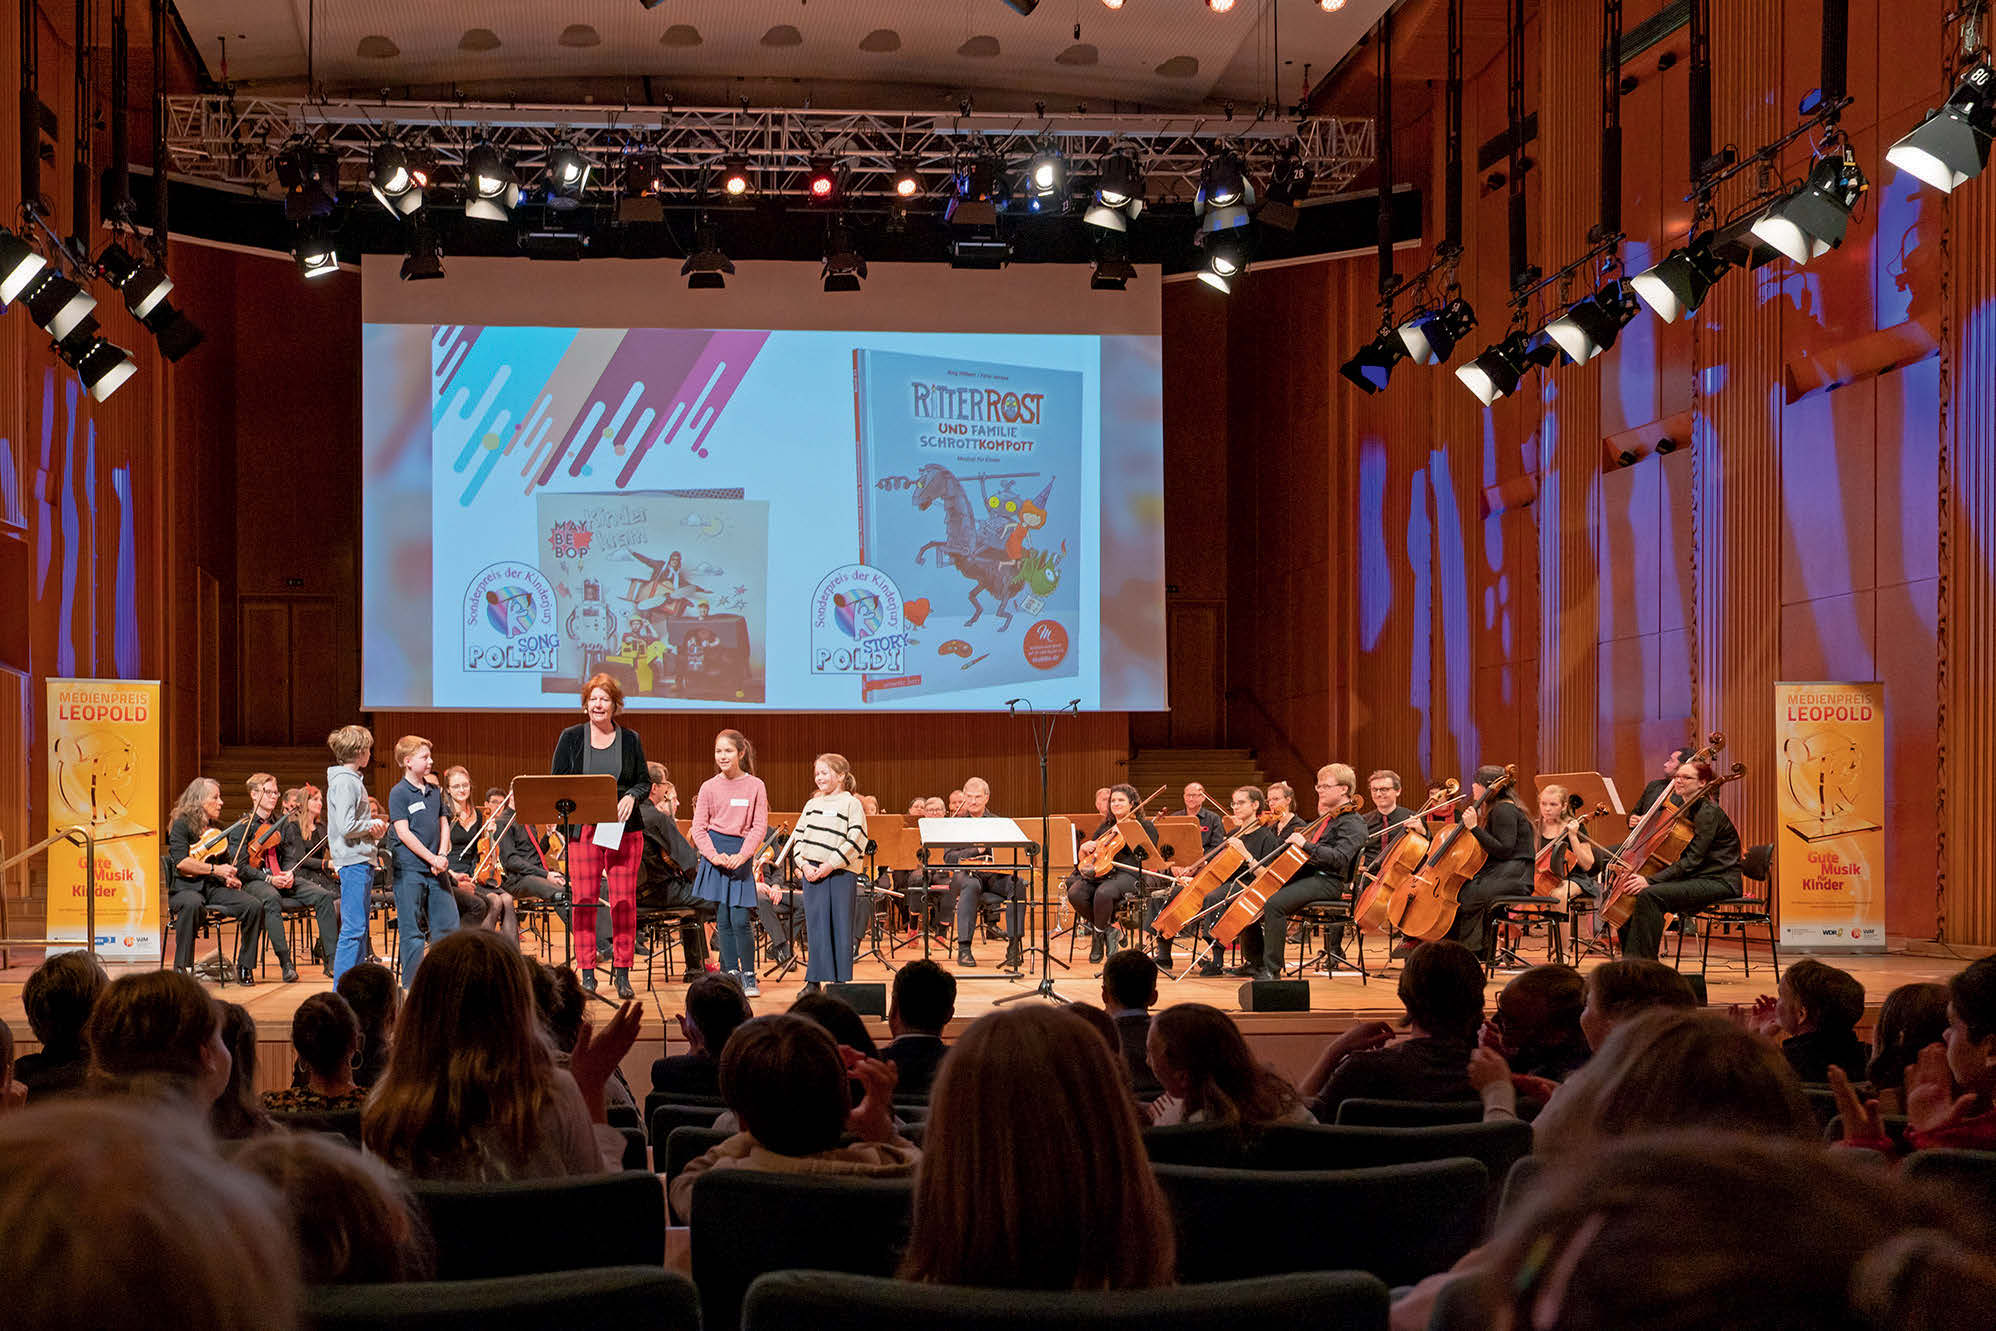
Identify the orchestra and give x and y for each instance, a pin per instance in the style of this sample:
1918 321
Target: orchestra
740 879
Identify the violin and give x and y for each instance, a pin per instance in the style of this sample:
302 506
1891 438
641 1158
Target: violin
486 870
212 844
765 859
1546 883
265 840
1101 861
1273 874
1427 910
1397 863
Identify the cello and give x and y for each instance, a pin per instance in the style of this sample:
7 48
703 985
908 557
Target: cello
1274 873
1220 864
1427 910
1656 843
1398 862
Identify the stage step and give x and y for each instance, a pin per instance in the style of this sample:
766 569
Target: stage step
1220 770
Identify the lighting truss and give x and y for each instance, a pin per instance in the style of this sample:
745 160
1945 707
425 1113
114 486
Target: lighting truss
234 141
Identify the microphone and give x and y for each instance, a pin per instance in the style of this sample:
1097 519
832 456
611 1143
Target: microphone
1013 702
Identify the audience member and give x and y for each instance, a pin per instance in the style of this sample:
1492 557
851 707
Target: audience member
237 1114
1536 1026
839 1017
1441 987
158 1035
58 998
559 1002
1629 987
370 989
471 1090
325 1034
923 1002
1816 1008
1129 992
352 1216
785 1078
1912 1017
1951 1090
1687 1232
1099 1020
715 1006
13 1095
1210 1076
119 1216
1034 1174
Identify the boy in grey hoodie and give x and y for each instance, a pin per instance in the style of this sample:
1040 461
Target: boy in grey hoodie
351 831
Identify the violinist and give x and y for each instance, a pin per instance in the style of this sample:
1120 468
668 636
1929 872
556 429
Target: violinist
980 889
1211 827
1384 788
477 903
253 850
303 852
1095 899
1707 871
1653 791
1254 828
1507 840
1333 860
1101 802
527 865
201 882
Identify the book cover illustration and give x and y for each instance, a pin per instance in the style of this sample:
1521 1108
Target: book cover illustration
665 592
969 501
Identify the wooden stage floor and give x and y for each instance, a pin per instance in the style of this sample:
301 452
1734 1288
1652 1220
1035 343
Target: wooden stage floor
1288 1040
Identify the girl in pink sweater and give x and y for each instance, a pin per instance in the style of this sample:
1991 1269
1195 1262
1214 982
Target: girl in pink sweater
730 819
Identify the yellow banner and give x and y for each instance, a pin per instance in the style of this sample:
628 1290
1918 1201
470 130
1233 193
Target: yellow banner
1830 851
104 752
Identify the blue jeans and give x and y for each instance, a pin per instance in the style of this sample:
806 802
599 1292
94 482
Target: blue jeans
734 937
354 880
412 884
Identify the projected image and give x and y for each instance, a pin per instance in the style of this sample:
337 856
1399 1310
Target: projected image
791 519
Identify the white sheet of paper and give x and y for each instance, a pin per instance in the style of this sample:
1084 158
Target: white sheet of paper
609 835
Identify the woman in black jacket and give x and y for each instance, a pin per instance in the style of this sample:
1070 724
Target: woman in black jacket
600 745
1505 834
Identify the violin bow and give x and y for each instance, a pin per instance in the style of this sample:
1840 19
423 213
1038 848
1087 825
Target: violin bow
492 849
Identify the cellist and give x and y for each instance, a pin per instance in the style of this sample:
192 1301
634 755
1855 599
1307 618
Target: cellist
1508 848
1707 871
1572 861
1095 899
1258 842
1333 859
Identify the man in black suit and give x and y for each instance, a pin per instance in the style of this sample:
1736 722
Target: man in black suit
665 875
923 1002
714 1007
1129 991
1212 830
1654 790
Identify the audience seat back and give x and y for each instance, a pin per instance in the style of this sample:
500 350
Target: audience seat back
612 1296
669 1114
1398 1222
338 1122
1497 1145
747 1222
829 1301
1215 1145
684 1144
1362 1112
561 1224
1971 1175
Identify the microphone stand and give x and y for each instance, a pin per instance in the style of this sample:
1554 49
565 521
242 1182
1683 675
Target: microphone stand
1042 724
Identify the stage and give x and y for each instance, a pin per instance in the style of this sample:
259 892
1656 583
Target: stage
1290 1041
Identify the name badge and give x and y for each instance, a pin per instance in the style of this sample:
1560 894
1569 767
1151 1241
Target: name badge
417 807
738 804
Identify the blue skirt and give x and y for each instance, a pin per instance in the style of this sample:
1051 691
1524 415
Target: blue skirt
727 887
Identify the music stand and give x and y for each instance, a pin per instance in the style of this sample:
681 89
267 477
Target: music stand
993 834
567 801
1179 837
1592 787
887 835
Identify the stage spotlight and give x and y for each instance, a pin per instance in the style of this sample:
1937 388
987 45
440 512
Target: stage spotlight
1330 6
1289 182
1811 222
425 260
1498 371
1430 335
1024 6
904 182
1951 146
821 186
1112 4
314 251
142 285
1046 173
396 179
1226 259
1220 6
19 266
1113 269
1224 195
735 178
1739 247
490 188
1119 192
1369 370
979 184
844 268
1544 351
310 176
1678 284
707 268
58 304
101 366
1589 327
567 176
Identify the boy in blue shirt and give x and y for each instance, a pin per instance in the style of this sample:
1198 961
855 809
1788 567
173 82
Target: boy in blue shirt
415 810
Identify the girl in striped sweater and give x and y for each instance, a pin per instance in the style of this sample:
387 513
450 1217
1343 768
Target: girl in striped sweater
827 846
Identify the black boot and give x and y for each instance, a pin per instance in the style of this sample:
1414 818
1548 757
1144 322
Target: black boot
621 977
289 971
589 980
1014 952
963 956
1098 947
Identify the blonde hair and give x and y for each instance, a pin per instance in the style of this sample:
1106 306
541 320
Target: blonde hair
840 768
349 742
1339 774
407 747
254 782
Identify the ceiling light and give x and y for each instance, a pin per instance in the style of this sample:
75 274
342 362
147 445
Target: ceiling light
1430 336
1112 4
1119 192
1951 146
1373 364
19 266
490 188
1046 173
844 268
58 304
1737 244
1289 182
101 366
1498 371
1589 327
310 175
1226 260
1224 195
707 268
396 179
1024 6
1678 284
1330 6
314 251
425 261
1810 222
822 184
979 183
567 176
1220 6
1113 269
735 179
142 285
906 184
